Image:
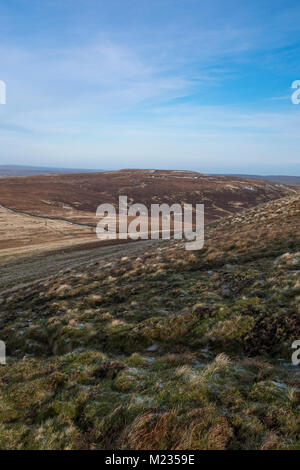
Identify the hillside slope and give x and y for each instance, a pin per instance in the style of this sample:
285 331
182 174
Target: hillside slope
168 350
77 196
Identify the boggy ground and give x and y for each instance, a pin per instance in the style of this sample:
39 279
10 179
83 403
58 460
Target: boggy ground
167 350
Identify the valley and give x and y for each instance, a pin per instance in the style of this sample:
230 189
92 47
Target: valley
45 213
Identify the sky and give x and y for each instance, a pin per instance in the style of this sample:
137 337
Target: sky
173 84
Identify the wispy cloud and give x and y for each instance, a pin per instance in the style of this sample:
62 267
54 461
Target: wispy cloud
153 79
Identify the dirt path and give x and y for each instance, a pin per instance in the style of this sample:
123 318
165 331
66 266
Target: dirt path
24 271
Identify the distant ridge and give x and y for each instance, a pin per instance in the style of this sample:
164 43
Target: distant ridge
27 170
290 180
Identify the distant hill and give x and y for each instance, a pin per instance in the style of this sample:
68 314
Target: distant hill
7 171
290 180
72 196
18 170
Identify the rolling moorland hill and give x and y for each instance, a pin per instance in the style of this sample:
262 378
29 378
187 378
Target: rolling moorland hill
167 349
76 197
18 170
42 214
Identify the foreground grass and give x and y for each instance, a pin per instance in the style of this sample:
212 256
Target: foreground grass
172 350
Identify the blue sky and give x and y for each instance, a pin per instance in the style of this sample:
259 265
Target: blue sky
179 84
